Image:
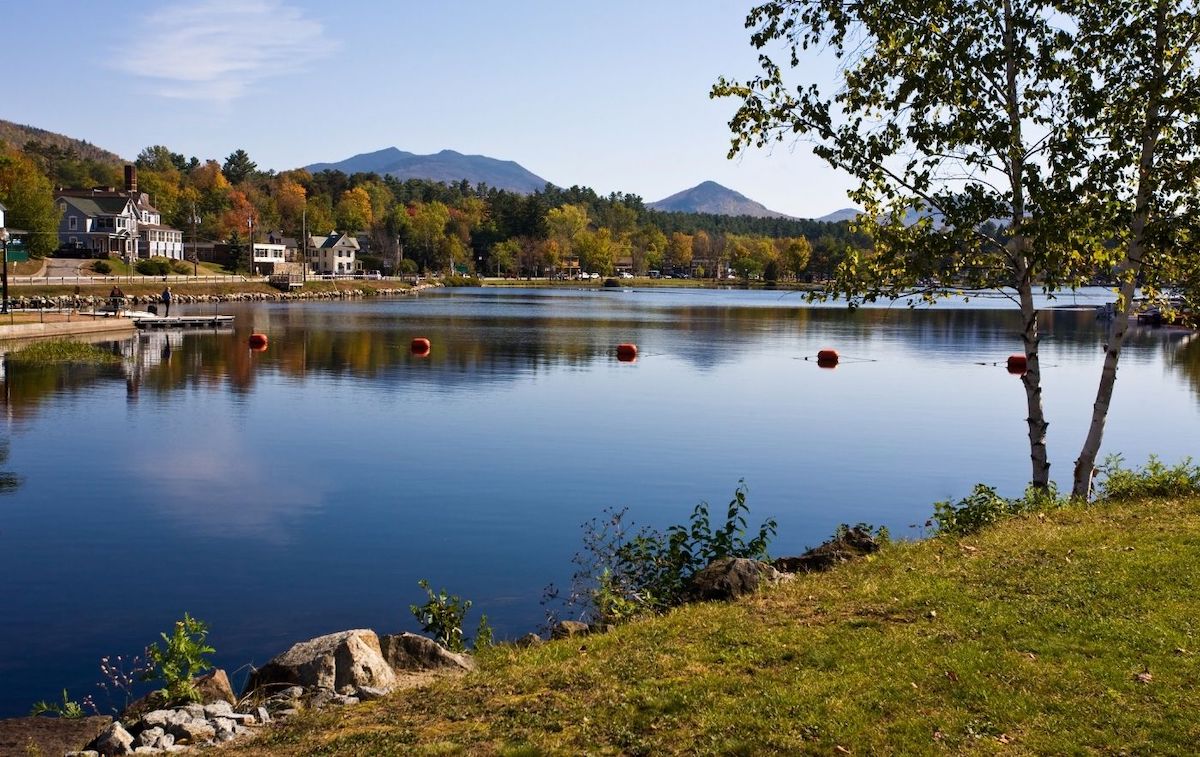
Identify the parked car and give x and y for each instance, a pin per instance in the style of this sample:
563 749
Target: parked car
72 250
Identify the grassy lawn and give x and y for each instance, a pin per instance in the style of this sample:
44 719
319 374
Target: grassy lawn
1074 631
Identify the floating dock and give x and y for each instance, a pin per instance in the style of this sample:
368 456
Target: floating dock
184 322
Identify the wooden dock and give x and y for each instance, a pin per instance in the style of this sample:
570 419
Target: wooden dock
184 322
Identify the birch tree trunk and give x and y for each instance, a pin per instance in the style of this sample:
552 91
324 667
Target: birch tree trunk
1035 419
1130 267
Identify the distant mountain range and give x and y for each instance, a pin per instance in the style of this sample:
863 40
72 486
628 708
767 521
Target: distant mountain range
447 166
845 214
18 135
711 197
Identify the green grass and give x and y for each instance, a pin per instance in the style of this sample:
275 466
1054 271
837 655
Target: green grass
61 351
1071 631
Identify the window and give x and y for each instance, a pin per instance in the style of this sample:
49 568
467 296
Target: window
72 222
73 240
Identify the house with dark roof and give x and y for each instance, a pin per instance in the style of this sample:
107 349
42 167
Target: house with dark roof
333 254
116 223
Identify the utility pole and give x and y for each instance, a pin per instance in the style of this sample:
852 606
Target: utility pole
304 241
195 243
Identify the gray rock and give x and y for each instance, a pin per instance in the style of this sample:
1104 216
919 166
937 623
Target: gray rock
214 687
166 741
410 651
850 543
264 717
113 740
217 710
729 578
348 658
288 712
530 640
145 750
369 693
156 719
565 629
241 718
197 711
223 724
150 736
194 731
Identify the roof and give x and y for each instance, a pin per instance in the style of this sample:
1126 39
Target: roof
140 200
156 227
100 205
334 240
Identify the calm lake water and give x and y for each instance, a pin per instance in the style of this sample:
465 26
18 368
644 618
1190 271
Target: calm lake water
303 490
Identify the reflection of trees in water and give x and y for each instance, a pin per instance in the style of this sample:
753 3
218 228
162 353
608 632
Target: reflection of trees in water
9 481
1186 359
507 343
27 386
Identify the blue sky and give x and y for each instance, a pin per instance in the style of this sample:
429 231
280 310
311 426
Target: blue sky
610 95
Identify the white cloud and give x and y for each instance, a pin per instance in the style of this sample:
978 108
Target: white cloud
217 50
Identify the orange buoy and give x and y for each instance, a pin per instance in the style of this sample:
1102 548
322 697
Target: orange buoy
258 340
627 353
420 346
1018 364
827 358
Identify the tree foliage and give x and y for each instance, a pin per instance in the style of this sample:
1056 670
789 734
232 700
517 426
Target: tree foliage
961 112
29 198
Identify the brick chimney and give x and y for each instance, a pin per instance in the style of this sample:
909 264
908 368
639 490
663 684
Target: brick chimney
131 179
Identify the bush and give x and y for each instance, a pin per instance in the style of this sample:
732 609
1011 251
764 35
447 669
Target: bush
1153 480
461 281
180 659
181 267
624 573
407 267
102 267
154 267
442 615
984 507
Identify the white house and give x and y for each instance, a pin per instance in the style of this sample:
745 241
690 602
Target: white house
333 254
2 209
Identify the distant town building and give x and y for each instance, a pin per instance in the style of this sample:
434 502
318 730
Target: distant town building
106 222
333 254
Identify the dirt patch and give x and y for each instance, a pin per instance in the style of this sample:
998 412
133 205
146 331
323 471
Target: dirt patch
48 736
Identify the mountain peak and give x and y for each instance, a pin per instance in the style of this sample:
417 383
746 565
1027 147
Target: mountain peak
711 197
447 166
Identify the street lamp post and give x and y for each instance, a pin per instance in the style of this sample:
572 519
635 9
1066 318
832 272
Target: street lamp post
4 249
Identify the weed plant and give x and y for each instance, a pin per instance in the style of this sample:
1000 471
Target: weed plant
61 352
1155 479
180 659
624 573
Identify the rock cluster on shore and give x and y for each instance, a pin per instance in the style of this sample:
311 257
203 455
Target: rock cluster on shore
87 302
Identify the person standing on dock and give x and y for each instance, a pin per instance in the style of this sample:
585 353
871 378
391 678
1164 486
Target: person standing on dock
166 299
